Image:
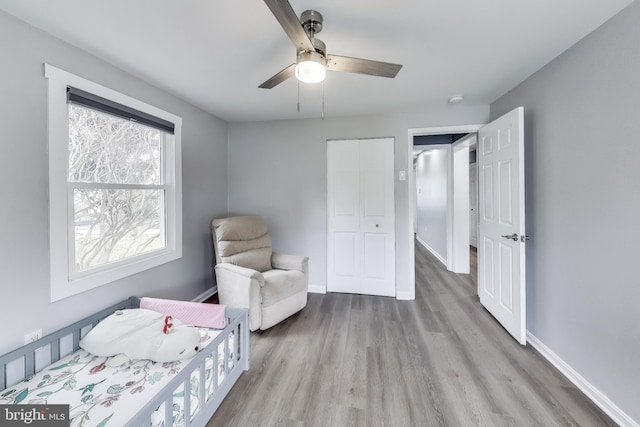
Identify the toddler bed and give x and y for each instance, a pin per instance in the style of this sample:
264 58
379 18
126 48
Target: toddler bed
111 391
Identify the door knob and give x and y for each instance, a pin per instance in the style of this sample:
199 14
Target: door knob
513 237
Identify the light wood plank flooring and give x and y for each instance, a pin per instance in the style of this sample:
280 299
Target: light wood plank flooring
473 258
354 360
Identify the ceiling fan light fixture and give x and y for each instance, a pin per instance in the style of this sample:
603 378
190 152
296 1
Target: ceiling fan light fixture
311 67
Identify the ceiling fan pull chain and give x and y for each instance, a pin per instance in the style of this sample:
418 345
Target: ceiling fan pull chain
322 100
298 96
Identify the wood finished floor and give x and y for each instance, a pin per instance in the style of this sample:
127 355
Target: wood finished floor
473 258
355 360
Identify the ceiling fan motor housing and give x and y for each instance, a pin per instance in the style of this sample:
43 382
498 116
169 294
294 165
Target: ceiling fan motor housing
311 21
321 48
318 57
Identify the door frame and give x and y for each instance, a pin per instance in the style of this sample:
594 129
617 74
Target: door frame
458 215
474 189
436 130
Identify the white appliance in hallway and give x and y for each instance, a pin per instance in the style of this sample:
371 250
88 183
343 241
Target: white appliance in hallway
361 216
501 236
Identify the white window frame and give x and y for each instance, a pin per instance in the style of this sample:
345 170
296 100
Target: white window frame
65 282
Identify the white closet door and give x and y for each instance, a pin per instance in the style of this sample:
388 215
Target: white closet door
361 217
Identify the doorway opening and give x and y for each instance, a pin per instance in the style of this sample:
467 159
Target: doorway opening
449 187
501 236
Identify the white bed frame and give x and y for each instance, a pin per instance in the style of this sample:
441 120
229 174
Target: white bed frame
238 325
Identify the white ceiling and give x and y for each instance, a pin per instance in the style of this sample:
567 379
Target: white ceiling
215 53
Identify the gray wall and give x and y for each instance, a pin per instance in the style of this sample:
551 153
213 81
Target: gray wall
24 258
432 168
279 170
582 115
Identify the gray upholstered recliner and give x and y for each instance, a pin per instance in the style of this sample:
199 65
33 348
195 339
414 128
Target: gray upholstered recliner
250 275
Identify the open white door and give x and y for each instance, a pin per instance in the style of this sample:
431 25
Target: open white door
501 235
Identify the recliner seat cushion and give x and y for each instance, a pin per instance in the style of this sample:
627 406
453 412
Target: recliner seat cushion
280 284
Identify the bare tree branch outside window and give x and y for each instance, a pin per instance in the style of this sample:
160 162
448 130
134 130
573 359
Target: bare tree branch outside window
111 161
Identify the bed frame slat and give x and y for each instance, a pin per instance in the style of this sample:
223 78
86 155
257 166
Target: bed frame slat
76 339
215 371
226 357
187 399
3 376
55 351
203 383
29 364
168 410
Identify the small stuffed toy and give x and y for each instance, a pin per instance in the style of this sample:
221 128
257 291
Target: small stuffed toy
142 334
168 324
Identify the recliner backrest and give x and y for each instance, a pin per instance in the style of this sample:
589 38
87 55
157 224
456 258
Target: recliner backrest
243 241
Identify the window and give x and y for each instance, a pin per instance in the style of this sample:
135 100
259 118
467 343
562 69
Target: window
114 184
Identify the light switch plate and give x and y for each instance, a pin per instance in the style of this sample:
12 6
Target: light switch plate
402 175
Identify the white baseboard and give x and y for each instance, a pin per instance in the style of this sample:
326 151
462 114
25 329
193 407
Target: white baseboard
433 252
317 289
206 294
406 296
599 398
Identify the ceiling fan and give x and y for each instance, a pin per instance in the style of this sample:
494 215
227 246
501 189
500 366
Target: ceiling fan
312 60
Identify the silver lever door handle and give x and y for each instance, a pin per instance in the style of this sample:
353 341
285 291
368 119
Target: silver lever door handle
513 237
523 238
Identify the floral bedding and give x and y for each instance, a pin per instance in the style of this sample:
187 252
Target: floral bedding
108 391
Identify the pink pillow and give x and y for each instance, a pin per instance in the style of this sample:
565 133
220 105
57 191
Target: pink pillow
190 313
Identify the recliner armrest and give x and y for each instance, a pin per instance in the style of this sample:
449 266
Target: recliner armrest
241 272
240 287
289 262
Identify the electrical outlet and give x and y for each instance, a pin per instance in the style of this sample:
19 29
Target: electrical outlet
33 336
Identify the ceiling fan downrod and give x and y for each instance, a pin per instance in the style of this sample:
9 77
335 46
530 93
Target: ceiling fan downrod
311 21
